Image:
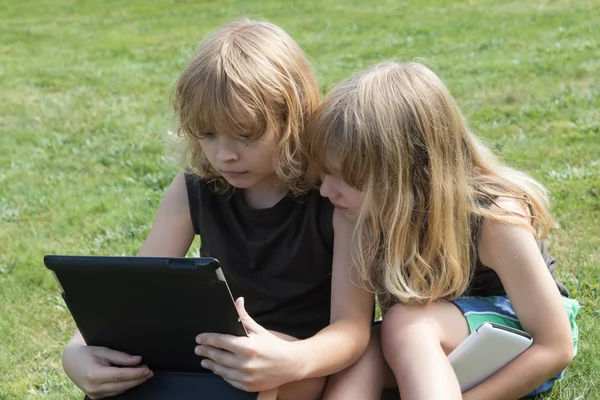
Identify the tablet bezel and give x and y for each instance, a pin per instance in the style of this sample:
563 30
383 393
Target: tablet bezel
149 306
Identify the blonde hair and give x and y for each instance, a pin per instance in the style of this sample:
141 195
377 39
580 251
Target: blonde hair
395 132
246 78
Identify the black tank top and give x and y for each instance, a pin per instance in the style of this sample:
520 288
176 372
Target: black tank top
279 259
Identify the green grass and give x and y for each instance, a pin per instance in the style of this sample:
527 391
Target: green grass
84 110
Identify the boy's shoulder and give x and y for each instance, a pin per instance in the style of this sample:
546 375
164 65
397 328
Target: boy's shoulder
201 190
195 181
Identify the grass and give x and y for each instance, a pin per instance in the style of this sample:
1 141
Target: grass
84 110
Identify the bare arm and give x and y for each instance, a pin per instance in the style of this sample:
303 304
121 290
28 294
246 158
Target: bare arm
172 232
344 341
513 253
76 339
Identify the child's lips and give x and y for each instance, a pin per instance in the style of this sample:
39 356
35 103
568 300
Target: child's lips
233 174
339 207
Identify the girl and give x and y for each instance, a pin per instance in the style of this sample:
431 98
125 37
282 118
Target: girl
242 105
444 231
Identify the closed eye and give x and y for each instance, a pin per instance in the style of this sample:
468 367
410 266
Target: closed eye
205 135
246 137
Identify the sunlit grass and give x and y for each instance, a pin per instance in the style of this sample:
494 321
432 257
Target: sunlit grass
84 111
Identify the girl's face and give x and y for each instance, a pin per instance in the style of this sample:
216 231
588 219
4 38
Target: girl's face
344 197
242 162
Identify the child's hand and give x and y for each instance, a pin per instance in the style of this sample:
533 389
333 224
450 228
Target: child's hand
102 372
256 363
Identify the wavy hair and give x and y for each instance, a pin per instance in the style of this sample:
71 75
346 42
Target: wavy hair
395 132
246 78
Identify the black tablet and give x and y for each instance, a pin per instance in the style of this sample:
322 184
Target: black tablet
153 307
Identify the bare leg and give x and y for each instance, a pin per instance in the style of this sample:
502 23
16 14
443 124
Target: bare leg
268 395
364 380
416 340
307 389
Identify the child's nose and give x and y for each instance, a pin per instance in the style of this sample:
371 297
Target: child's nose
226 152
327 187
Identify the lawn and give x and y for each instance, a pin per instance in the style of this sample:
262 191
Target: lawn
84 114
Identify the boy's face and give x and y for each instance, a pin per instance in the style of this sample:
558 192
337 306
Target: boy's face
344 197
243 163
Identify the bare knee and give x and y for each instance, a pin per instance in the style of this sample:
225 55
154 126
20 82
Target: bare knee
405 323
440 323
404 317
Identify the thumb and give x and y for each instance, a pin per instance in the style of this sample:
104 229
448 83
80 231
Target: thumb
250 325
119 358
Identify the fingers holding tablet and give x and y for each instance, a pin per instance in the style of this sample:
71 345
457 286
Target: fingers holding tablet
102 372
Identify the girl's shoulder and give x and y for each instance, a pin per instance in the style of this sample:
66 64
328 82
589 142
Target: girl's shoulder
504 205
509 229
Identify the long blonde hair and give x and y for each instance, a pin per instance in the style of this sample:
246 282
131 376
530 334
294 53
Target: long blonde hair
395 132
246 78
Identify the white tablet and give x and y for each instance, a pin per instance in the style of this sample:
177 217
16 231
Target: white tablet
485 351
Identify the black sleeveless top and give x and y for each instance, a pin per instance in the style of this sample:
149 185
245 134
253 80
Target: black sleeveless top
279 259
